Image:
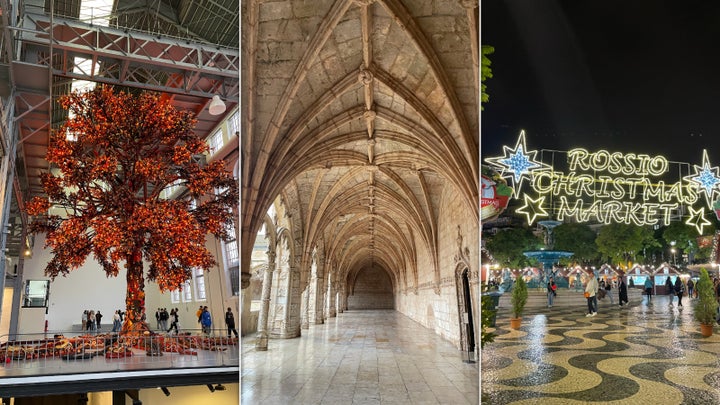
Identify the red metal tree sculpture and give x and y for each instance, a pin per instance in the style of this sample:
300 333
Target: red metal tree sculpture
106 197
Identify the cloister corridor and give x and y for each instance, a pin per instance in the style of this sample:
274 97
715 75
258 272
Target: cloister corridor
359 357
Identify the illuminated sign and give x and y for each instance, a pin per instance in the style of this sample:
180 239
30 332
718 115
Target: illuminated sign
607 187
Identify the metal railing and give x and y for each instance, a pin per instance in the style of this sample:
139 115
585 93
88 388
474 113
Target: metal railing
62 353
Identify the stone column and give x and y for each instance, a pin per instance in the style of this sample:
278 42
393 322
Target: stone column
338 300
319 300
331 300
305 323
262 342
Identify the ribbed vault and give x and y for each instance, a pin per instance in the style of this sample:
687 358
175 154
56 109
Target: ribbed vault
363 113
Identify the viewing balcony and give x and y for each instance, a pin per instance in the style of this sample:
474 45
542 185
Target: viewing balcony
61 363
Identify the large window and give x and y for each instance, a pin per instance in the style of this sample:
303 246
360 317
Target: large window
199 284
234 124
36 293
215 141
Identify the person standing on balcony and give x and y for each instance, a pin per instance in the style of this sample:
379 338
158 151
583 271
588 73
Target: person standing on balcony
230 322
84 320
198 313
98 317
91 320
157 318
206 321
117 325
173 321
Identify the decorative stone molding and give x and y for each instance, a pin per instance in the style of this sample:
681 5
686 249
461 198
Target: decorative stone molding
364 2
471 4
365 76
245 280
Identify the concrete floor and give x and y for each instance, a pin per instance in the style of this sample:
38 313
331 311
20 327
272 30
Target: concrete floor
359 357
647 353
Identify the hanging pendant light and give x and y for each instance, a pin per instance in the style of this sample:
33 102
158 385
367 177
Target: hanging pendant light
217 106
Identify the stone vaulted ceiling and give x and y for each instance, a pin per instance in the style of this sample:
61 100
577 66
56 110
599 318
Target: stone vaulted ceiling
358 113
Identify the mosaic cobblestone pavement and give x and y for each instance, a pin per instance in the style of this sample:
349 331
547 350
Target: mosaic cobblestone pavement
647 353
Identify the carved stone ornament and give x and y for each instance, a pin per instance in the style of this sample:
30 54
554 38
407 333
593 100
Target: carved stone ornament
364 2
365 76
469 3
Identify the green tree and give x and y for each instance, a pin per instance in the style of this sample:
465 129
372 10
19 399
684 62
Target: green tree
576 238
685 238
683 235
487 317
621 243
486 72
507 246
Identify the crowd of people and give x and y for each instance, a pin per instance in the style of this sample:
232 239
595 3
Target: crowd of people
165 321
595 289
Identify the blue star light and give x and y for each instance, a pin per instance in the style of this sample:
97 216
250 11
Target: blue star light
519 163
706 179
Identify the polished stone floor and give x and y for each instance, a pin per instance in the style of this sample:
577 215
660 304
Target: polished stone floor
647 353
359 357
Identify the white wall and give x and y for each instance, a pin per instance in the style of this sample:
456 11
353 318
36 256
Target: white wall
84 288
89 288
6 312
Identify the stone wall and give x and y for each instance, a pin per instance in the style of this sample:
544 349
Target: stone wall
373 290
436 306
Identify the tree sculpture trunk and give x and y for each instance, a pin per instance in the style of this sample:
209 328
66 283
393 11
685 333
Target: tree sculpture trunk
135 322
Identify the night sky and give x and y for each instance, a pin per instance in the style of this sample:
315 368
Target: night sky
627 76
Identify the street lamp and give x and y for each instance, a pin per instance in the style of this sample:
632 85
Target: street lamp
674 259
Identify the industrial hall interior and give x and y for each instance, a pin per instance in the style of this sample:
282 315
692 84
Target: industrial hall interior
119 198
359 201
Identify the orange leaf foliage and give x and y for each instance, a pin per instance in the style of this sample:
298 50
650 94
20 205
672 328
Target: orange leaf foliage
127 149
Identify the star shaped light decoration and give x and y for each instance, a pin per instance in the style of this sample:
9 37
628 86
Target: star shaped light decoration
706 178
697 219
519 162
533 208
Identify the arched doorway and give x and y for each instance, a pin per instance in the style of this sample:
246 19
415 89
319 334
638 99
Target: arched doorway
466 315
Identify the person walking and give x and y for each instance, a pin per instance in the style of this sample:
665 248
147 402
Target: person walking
679 289
648 288
551 293
173 321
206 321
622 291
608 291
230 322
591 289
690 286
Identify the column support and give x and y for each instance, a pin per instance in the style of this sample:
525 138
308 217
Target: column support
262 341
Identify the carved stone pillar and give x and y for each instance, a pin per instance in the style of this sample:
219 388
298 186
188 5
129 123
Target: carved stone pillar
262 342
331 300
305 323
338 301
317 316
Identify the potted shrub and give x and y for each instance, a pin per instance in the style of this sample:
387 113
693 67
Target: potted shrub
706 306
518 300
